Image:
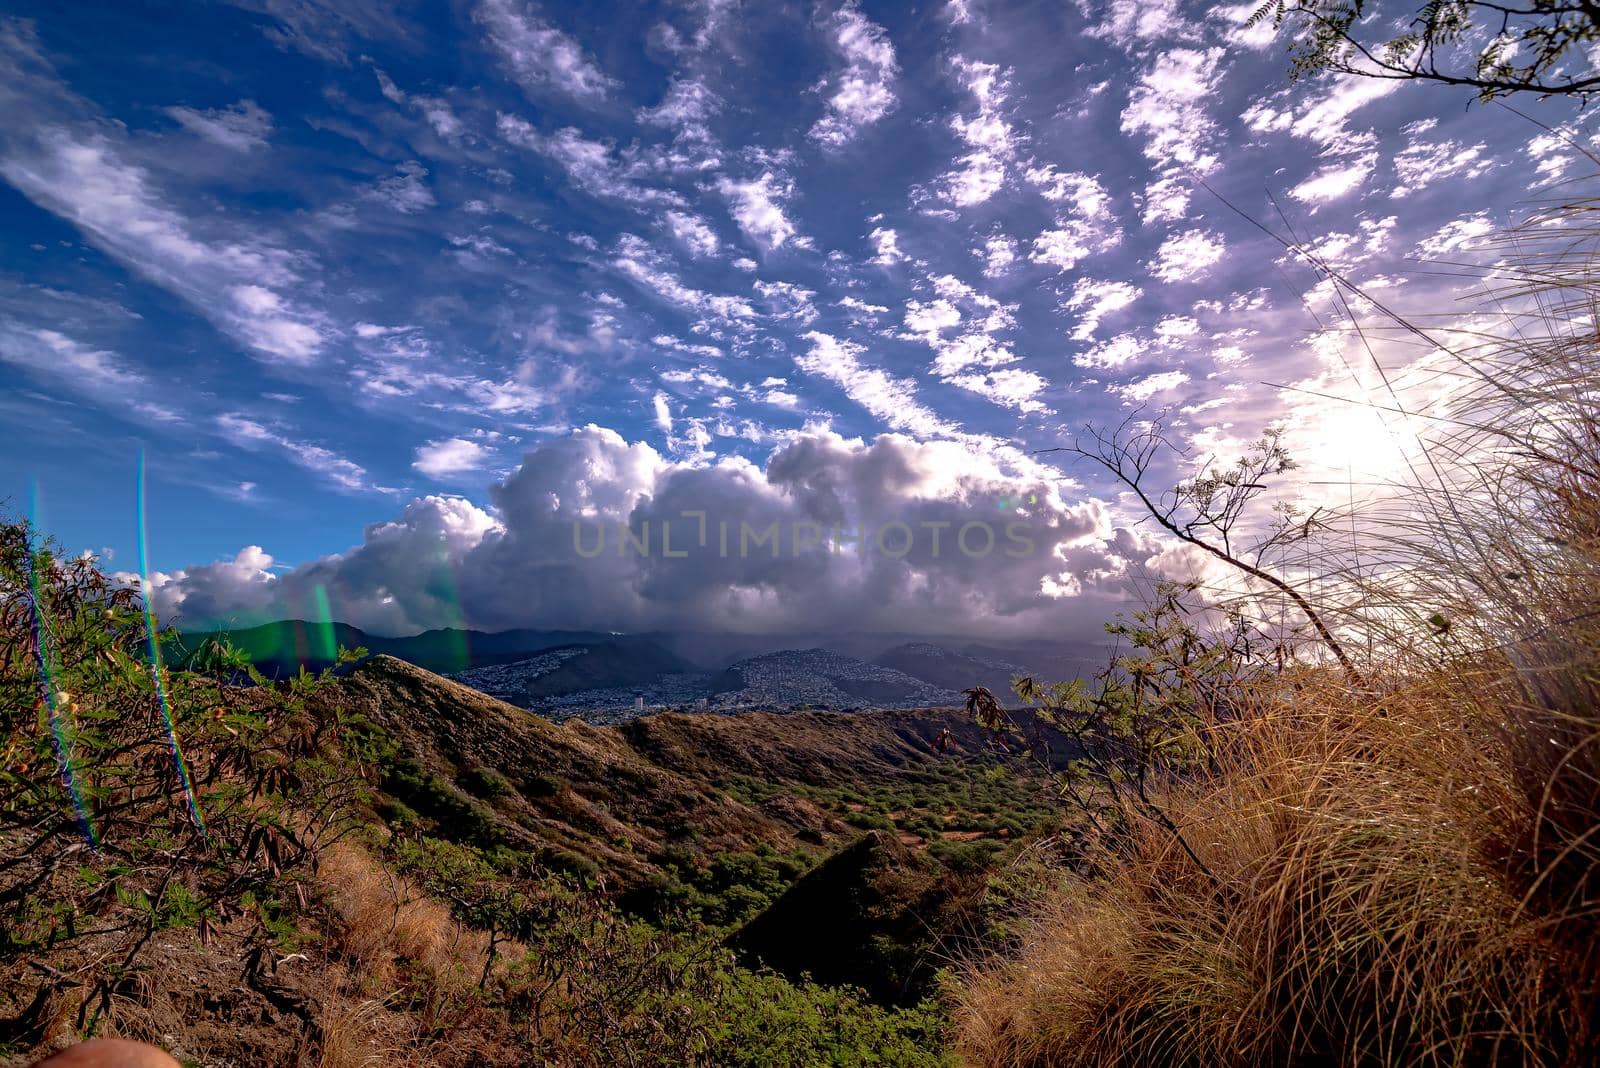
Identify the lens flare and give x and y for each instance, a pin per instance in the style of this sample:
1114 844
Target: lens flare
155 659
325 644
57 703
446 591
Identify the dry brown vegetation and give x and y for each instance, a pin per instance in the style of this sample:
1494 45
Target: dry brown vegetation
1403 869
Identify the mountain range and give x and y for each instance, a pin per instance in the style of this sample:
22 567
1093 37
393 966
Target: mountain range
604 677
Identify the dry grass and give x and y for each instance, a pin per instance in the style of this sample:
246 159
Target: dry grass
1368 901
1402 874
403 984
387 922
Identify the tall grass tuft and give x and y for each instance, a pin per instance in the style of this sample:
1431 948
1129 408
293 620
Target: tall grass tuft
1406 872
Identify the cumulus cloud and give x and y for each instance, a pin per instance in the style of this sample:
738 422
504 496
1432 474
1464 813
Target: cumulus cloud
447 562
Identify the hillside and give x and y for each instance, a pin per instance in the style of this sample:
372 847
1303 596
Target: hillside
578 669
818 677
616 799
384 840
281 648
953 670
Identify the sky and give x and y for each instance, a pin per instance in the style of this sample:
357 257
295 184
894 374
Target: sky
389 299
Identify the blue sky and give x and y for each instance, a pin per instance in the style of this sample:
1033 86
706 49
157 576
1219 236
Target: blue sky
340 269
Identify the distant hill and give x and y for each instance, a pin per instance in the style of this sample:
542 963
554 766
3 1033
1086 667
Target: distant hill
561 673
281 648
567 669
953 670
817 677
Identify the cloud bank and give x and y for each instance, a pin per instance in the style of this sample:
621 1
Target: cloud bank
593 531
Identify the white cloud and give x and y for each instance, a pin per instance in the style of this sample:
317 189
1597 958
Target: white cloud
592 165
83 178
406 191
886 244
663 412
1422 163
1166 199
241 127
1072 240
639 262
1120 350
891 399
1150 385
861 92
686 107
1324 120
693 232
450 456
989 138
98 374
1169 108
1456 235
757 206
1187 256
1097 299
540 57
249 434
1241 31
999 253
1084 193
1335 181
789 301
1010 388
1131 23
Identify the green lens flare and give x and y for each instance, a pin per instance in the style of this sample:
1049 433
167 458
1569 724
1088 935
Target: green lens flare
156 671
59 712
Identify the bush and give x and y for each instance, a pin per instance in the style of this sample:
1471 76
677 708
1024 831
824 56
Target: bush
135 798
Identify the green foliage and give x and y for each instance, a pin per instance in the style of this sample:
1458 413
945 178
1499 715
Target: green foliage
1151 716
485 783
721 891
135 798
587 984
1494 48
1006 803
768 1022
